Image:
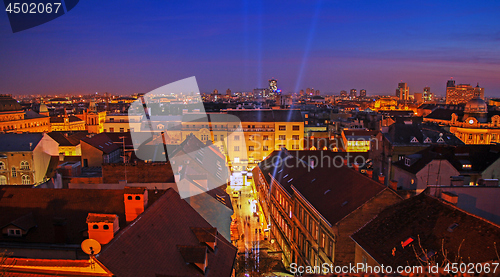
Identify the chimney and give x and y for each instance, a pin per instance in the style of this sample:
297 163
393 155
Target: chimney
449 197
369 172
136 200
102 227
393 184
381 179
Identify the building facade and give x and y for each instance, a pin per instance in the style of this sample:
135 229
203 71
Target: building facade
460 94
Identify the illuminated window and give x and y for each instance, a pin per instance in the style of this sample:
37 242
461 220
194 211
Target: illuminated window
26 180
250 148
282 137
236 137
296 128
265 137
295 147
470 136
295 137
236 148
3 180
2 166
265 148
14 173
282 127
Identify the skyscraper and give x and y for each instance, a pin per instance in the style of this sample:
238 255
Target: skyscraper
403 92
459 94
343 93
273 86
362 93
427 95
228 92
353 93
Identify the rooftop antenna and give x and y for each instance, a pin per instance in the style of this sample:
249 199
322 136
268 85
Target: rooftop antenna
92 247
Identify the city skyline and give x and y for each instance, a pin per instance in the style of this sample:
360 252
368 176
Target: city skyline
124 48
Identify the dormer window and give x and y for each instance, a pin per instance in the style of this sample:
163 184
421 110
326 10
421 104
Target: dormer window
407 162
414 140
14 232
428 140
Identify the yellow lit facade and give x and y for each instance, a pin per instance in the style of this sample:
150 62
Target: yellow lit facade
14 119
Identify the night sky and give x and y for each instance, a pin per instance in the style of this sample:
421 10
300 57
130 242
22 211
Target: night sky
125 47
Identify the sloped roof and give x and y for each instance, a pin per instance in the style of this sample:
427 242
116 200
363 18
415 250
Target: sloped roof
148 247
418 160
444 114
60 119
54 206
427 221
402 134
11 142
102 142
335 190
267 115
31 114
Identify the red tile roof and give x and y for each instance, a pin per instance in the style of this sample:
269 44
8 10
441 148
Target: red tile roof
102 142
148 246
434 226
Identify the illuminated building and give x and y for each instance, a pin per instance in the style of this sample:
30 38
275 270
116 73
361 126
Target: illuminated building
362 93
66 123
122 122
301 92
94 120
356 140
385 103
403 92
25 158
273 86
228 93
263 132
458 94
14 119
353 93
473 125
343 94
316 93
427 96
418 97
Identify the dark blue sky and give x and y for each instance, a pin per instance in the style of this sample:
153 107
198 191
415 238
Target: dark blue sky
135 46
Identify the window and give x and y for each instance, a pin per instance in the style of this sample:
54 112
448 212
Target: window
265 148
494 137
215 136
111 130
282 137
236 137
26 179
137 197
330 249
282 127
3 180
296 128
14 232
129 197
236 159
482 136
323 242
14 173
251 137
2 166
250 148
470 136
111 120
295 147
295 137
221 137
265 137
105 227
236 148
122 130
400 157
95 226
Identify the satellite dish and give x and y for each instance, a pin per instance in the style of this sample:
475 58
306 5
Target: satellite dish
91 246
